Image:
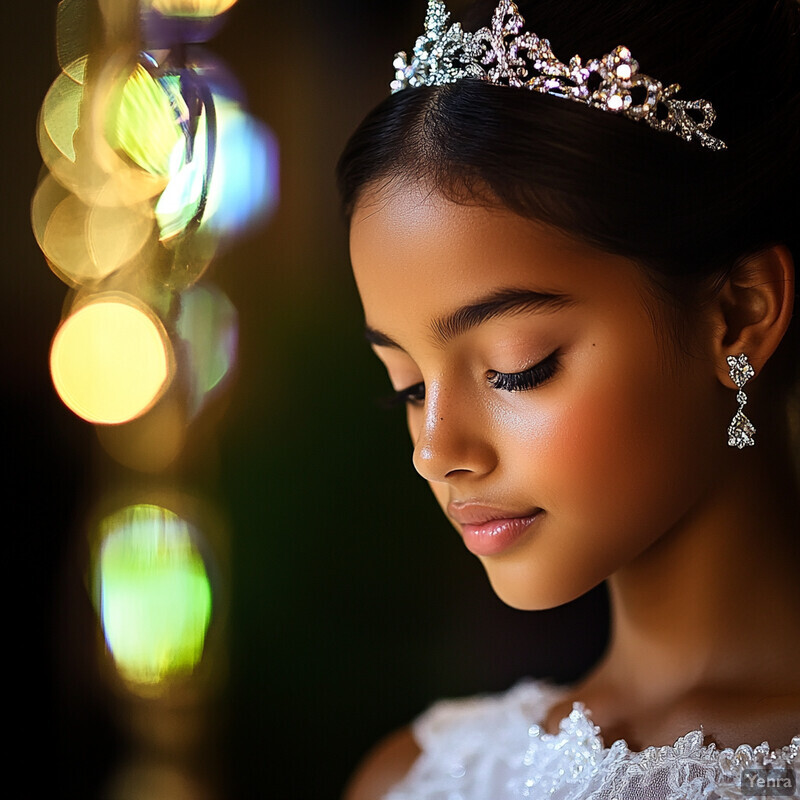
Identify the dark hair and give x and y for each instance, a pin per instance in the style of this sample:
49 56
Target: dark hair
684 212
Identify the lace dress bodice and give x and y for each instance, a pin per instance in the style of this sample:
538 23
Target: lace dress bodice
492 747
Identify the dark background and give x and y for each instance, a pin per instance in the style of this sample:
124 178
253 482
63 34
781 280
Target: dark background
349 603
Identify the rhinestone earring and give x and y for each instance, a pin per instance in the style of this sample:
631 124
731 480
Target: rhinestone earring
741 431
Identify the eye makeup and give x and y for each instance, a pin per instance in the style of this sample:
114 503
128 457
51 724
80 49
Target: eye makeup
522 381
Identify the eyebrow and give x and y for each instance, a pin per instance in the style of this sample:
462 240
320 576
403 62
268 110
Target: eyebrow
500 303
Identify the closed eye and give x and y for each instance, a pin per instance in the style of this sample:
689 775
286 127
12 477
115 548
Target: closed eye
507 381
527 379
411 395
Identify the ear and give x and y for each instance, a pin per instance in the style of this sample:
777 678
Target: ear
753 309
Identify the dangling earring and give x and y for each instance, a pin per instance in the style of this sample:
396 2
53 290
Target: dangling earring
741 431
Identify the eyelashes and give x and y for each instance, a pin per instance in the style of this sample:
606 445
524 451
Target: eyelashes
411 395
507 381
529 378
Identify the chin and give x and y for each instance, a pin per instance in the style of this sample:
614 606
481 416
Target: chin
526 593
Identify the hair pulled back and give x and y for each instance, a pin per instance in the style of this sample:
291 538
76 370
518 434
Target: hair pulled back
685 213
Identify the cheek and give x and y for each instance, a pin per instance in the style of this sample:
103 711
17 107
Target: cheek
613 476
621 453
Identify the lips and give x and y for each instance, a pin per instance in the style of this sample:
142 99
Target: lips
489 530
474 514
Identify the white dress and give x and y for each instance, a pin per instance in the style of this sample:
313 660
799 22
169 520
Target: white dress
491 747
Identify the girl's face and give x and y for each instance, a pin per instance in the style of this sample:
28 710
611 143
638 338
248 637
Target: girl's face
560 431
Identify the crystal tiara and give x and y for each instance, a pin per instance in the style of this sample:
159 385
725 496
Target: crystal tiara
502 55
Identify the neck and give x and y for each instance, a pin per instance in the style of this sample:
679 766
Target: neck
714 602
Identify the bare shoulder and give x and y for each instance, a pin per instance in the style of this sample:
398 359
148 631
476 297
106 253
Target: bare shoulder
383 766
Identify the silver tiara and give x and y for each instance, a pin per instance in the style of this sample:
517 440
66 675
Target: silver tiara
502 55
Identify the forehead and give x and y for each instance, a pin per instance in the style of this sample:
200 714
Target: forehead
415 252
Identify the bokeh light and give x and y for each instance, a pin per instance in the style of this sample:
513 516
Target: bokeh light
146 125
191 8
73 139
240 188
151 165
208 323
153 594
60 114
73 26
84 244
110 360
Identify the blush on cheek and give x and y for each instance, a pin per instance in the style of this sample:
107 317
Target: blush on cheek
606 452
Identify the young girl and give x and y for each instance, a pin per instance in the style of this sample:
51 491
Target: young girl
580 279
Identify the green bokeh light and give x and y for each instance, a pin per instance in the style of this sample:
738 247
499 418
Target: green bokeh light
146 126
208 324
154 594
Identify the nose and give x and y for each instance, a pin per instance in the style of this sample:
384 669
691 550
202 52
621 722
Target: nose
453 439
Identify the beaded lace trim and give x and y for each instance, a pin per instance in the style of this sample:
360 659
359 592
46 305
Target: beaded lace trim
493 746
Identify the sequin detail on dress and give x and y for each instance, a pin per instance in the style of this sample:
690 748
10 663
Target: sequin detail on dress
492 746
